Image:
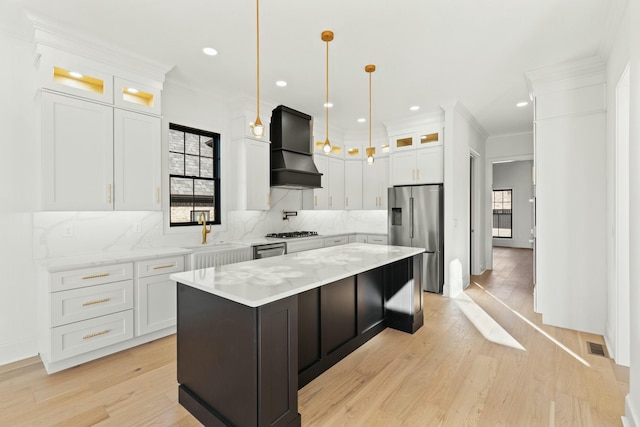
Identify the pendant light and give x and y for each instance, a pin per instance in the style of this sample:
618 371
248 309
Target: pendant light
327 36
371 150
257 129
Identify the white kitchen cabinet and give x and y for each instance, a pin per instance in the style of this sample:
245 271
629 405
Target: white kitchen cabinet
375 181
321 195
136 96
77 149
336 240
304 245
252 169
415 140
156 294
90 311
422 166
336 183
376 239
98 158
137 154
353 184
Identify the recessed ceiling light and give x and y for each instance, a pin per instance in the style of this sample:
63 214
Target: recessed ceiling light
132 90
522 104
328 105
281 83
361 120
210 51
414 108
75 74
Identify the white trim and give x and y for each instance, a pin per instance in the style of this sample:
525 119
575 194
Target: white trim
18 350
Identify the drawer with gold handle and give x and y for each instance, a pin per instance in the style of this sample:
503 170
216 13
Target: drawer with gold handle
92 334
165 265
84 303
78 278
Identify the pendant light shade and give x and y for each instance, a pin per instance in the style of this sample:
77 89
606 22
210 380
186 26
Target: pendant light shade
371 150
257 129
327 36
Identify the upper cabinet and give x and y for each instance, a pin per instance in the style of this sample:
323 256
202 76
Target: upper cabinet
375 181
353 182
101 132
410 141
332 193
418 157
252 174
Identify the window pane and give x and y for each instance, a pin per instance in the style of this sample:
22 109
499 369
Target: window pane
206 167
182 186
203 188
176 141
176 164
192 144
192 167
206 146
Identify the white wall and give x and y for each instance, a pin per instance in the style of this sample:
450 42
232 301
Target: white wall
462 134
571 195
19 169
516 176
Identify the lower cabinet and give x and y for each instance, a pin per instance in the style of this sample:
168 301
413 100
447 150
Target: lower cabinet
90 312
337 318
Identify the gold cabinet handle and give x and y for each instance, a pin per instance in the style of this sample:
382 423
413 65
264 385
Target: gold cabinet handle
269 198
158 267
98 301
95 276
347 201
330 201
95 334
109 196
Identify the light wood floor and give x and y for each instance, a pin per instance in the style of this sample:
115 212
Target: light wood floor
446 374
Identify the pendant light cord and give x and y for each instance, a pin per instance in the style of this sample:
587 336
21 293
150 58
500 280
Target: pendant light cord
258 55
369 109
327 91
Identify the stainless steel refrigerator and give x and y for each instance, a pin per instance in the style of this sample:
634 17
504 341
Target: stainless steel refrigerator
416 219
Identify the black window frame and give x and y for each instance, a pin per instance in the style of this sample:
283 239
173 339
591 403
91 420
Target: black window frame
215 176
496 216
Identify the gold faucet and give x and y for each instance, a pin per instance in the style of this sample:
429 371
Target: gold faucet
202 219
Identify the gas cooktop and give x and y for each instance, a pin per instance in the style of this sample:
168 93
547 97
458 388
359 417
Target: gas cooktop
293 234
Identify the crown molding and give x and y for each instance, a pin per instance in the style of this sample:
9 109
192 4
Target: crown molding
569 74
48 35
414 123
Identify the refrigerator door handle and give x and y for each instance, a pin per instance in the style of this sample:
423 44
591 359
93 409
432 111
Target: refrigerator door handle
411 216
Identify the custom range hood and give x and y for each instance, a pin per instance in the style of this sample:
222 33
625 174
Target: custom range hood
291 160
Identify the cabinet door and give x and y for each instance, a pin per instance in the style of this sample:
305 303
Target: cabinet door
137 145
375 180
321 195
155 304
258 175
77 149
403 168
336 183
353 184
429 165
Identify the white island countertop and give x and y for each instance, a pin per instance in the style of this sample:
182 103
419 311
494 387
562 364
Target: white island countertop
262 281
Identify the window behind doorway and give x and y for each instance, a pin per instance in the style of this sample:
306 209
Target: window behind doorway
502 213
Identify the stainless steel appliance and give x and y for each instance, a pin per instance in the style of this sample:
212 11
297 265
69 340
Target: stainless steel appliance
416 219
269 250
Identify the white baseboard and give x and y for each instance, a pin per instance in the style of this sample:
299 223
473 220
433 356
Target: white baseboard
630 418
17 350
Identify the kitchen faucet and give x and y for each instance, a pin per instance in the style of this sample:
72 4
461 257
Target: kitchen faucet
202 219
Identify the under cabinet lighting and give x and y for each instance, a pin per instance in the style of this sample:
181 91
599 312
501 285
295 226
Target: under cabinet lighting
132 90
75 74
77 80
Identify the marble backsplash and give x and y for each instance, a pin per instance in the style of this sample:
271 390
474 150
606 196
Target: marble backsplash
74 233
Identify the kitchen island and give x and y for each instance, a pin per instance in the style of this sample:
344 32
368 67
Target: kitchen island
250 334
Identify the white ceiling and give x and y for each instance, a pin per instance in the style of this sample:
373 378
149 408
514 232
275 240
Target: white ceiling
427 52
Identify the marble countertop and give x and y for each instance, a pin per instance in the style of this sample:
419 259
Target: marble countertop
259 282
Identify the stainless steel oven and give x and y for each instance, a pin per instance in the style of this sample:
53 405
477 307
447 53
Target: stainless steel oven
269 250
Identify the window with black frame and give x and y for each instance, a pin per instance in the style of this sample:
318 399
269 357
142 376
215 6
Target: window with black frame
194 175
502 213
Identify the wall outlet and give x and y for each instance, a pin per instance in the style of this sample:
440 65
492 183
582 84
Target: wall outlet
137 227
67 230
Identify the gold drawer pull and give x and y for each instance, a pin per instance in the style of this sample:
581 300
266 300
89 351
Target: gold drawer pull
337 241
95 276
98 301
86 337
158 267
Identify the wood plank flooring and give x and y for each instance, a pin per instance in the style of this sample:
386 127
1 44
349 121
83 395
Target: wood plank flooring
446 374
